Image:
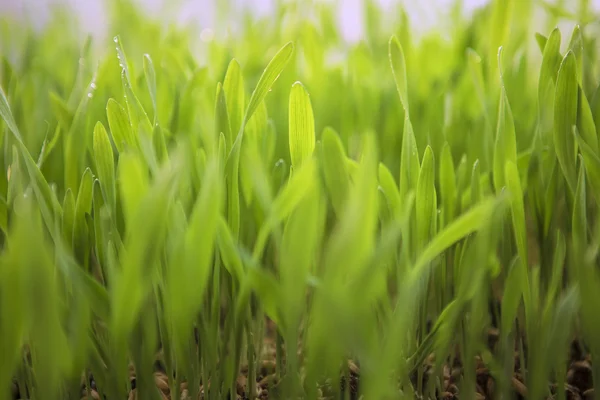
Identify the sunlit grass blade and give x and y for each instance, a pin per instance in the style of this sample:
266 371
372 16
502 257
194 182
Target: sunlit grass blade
591 162
301 125
103 155
579 219
576 46
120 129
505 148
196 261
585 121
50 207
398 64
425 199
465 224
333 160
565 117
285 202
133 183
409 161
222 124
150 75
83 207
233 87
268 78
390 189
447 178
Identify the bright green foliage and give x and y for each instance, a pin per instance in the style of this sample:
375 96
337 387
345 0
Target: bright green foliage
160 196
302 125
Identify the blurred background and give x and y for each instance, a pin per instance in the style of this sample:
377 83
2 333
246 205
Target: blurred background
203 14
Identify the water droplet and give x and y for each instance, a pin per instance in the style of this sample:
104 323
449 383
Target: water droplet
116 39
90 95
93 85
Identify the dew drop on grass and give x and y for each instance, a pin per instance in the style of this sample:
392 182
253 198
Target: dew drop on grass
93 85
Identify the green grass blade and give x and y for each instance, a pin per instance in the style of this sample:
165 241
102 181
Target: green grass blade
120 129
301 125
150 75
268 78
83 207
579 219
233 88
409 161
390 189
505 148
425 197
447 177
50 207
576 46
398 64
585 121
469 222
335 172
222 124
565 117
133 183
105 165
592 165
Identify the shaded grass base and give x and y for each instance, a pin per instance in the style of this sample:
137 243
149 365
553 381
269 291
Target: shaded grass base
578 385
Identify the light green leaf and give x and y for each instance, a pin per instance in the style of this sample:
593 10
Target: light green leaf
592 165
61 110
233 87
268 78
120 129
390 189
579 218
425 198
505 148
133 183
335 170
585 121
301 125
541 41
467 223
513 184
447 185
83 206
150 75
565 117
103 156
50 207
286 201
409 161
228 251
512 295
398 64
576 46
185 300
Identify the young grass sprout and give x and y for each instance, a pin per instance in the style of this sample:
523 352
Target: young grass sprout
248 218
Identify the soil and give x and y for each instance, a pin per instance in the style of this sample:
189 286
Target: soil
578 386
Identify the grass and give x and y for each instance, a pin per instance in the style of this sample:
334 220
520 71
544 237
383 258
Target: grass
250 217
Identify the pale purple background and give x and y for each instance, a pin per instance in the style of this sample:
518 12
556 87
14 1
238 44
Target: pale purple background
424 13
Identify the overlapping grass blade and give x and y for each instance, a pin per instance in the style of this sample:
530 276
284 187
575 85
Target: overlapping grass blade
301 125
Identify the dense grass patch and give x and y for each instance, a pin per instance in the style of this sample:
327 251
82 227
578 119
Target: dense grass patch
281 214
